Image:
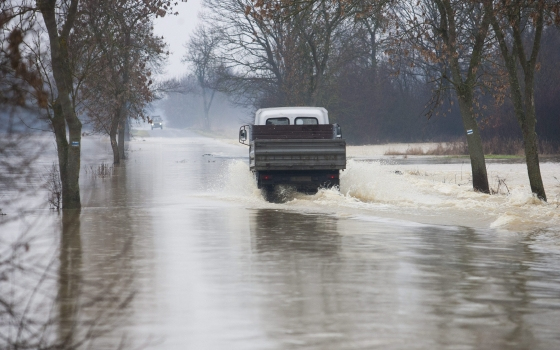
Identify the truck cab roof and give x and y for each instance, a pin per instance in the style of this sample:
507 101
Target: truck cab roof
292 116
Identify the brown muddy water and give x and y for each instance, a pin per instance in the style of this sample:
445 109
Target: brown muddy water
177 250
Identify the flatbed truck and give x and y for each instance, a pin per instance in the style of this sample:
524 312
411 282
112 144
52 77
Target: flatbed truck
294 146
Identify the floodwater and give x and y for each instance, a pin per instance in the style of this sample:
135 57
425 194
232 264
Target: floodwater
177 250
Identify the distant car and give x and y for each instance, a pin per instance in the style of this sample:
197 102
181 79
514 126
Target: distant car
157 122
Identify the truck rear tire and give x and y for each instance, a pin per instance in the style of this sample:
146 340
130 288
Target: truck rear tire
309 191
268 193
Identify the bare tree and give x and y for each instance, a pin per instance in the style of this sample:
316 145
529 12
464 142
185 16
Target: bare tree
128 53
59 19
279 52
320 24
201 54
448 41
518 26
372 22
252 50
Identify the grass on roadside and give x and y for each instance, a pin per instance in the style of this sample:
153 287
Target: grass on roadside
495 148
503 156
441 149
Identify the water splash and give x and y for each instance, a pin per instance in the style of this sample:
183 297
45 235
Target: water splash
404 191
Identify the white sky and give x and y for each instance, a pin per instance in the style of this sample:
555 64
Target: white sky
176 31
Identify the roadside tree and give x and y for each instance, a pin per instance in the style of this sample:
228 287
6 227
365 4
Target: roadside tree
518 27
447 42
128 53
59 18
201 54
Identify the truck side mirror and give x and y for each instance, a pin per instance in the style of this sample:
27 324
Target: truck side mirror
242 135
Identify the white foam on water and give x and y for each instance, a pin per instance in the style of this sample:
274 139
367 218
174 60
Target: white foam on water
240 180
438 193
381 183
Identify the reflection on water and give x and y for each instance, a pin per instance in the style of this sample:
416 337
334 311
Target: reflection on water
59 291
215 275
413 287
69 279
154 257
276 230
95 286
475 287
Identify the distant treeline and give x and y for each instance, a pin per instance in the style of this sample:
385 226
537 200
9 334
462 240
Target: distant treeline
380 76
374 106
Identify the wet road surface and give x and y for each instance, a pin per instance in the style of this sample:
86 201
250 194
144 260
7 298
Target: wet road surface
205 271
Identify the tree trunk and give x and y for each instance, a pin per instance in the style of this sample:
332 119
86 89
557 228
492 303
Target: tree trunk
474 142
532 158
113 138
122 120
206 109
465 88
115 148
74 158
123 111
59 128
127 130
68 154
528 121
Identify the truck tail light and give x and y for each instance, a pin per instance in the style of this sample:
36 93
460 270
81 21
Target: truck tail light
333 176
266 177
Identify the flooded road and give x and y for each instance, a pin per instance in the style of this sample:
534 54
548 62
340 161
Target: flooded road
193 258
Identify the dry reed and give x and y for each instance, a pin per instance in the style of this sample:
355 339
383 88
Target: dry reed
493 146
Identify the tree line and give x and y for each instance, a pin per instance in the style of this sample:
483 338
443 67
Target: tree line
474 68
73 62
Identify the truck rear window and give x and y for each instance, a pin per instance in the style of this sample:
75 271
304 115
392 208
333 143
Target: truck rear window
306 121
278 121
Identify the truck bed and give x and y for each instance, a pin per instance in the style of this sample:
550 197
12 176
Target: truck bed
292 132
297 154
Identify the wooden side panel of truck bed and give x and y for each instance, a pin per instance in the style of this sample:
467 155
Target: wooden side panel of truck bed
297 154
293 132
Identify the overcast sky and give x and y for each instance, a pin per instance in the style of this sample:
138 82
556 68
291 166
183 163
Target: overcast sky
176 31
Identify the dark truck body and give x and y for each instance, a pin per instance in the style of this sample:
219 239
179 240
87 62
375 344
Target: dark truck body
305 156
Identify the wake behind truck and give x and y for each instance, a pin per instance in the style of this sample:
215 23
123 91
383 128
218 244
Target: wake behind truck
294 146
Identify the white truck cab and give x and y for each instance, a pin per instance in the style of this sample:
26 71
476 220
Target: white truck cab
292 116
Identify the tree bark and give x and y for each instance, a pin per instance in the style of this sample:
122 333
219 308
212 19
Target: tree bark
59 128
464 87
123 111
474 142
69 155
532 155
123 115
113 138
207 105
